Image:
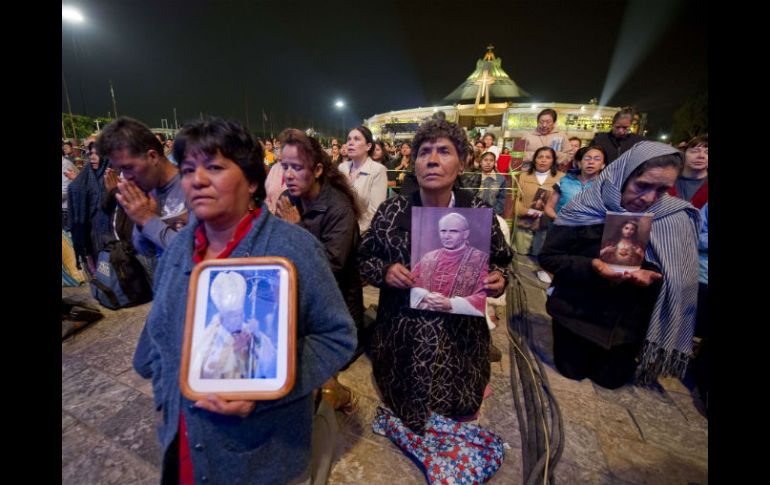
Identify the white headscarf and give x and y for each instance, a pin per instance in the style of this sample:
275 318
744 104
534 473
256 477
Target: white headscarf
673 248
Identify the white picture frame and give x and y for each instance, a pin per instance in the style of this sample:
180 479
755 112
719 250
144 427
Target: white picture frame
240 329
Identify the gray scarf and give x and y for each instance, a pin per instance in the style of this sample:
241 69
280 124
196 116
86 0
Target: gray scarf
673 248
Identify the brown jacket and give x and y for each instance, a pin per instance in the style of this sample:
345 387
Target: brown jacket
528 186
535 140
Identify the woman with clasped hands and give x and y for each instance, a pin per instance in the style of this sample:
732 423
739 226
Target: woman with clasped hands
610 326
238 442
320 199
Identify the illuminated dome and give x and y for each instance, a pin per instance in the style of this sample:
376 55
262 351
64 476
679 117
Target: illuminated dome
488 83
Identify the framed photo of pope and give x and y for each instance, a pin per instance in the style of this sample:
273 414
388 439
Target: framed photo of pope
240 329
450 259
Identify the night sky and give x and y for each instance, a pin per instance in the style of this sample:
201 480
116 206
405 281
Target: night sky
293 59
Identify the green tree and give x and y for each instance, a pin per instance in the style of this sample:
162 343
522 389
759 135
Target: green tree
84 125
692 118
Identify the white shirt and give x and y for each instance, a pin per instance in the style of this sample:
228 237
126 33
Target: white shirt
371 185
65 165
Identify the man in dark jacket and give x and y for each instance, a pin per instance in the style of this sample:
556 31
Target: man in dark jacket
619 138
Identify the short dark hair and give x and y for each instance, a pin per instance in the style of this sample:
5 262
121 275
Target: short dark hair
127 134
580 153
584 150
698 140
547 111
367 136
574 138
489 134
624 113
433 129
554 165
675 160
230 139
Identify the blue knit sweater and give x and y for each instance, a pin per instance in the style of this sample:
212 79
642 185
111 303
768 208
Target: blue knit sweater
272 444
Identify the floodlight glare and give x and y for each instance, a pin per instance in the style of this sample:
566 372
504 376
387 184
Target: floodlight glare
71 14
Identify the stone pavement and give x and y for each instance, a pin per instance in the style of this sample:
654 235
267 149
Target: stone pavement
629 436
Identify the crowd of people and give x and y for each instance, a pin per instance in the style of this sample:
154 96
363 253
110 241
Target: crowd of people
343 215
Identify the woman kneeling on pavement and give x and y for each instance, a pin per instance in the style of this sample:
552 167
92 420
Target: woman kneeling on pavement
320 199
426 361
611 326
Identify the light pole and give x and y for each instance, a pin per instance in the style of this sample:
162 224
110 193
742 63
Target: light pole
72 15
69 109
114 104
341 106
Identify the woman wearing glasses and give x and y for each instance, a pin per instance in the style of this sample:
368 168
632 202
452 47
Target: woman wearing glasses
590 163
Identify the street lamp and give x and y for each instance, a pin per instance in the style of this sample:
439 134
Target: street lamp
71 14
69 110
341 106
74 16
663 137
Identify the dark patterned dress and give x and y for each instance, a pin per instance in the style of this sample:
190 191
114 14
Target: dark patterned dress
423 360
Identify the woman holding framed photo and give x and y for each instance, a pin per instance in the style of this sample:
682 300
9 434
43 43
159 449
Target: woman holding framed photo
611 326
625 248
427 361
536 186
237 442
